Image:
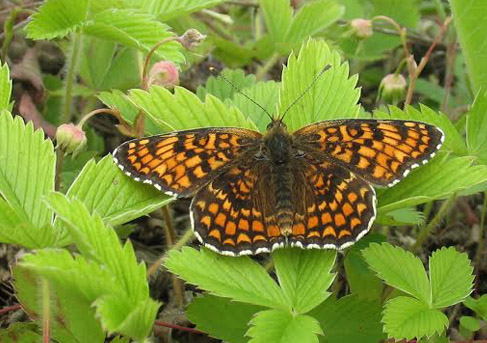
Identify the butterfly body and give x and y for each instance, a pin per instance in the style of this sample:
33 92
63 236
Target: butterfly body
255 192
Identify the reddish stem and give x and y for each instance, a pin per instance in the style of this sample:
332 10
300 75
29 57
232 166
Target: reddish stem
178 327
10 308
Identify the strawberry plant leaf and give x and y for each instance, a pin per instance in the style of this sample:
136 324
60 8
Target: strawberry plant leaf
399 269
5 87
451 277
332 96
304 276
206 312
350 319
57 18
278 16
240 279
476 128
265 94
274 326
219 87
408 318
26 176
137 30
115 197
183 110
471 26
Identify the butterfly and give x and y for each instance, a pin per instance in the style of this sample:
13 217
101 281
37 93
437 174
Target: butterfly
254 192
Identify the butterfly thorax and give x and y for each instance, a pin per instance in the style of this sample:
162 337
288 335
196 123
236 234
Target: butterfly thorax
278 149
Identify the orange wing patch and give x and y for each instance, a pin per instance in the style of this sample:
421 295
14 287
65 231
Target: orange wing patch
180 163
381 151
233 215
338 207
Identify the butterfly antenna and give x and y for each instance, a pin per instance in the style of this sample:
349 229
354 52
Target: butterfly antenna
328 66
213 70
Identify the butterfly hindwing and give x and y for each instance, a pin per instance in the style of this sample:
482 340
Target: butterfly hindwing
179 163
235 213
333 207
380 151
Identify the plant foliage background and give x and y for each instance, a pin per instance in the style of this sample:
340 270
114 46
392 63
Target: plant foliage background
89 255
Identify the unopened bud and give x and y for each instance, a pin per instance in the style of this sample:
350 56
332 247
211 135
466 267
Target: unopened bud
71 138
361 28
392 88
164 73
191 39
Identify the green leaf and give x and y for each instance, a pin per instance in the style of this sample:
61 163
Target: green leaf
451 277
274 326
479 306
137 30
240 278
313 17
304 276
134 312
5 87
219 87
408 318
72 318
476 128
265 94
20 332
183 110
137 323
26 176
445 176
169 9
206 312
17 229
118 199
350 319
278 16
471 28
453 139
332 96
57 18
469 323
361 280
401 216
399 269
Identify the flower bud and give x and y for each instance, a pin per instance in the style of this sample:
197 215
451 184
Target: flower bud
392 88
164 73
71 138
361 28
191 39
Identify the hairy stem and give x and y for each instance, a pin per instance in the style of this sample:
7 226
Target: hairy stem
46 311
426 230
71 72
262 71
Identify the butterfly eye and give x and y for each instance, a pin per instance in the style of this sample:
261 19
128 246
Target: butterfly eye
299 154
260 156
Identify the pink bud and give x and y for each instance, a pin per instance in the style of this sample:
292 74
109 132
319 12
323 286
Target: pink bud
361 28
71 138
191 38
392 88
164 73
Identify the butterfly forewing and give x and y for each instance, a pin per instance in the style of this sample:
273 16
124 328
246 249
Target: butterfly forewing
380 151
180 163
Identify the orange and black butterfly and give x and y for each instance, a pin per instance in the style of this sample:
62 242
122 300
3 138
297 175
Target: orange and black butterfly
255 192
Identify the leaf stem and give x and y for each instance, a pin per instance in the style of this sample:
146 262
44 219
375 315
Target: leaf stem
46 311
10 308
426 230
178 327
185 238
171 235
263 70
480 246
71 75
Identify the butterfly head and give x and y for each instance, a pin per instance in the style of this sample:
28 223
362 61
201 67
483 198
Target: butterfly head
276 125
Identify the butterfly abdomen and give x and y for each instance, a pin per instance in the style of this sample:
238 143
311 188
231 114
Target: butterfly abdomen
283 183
